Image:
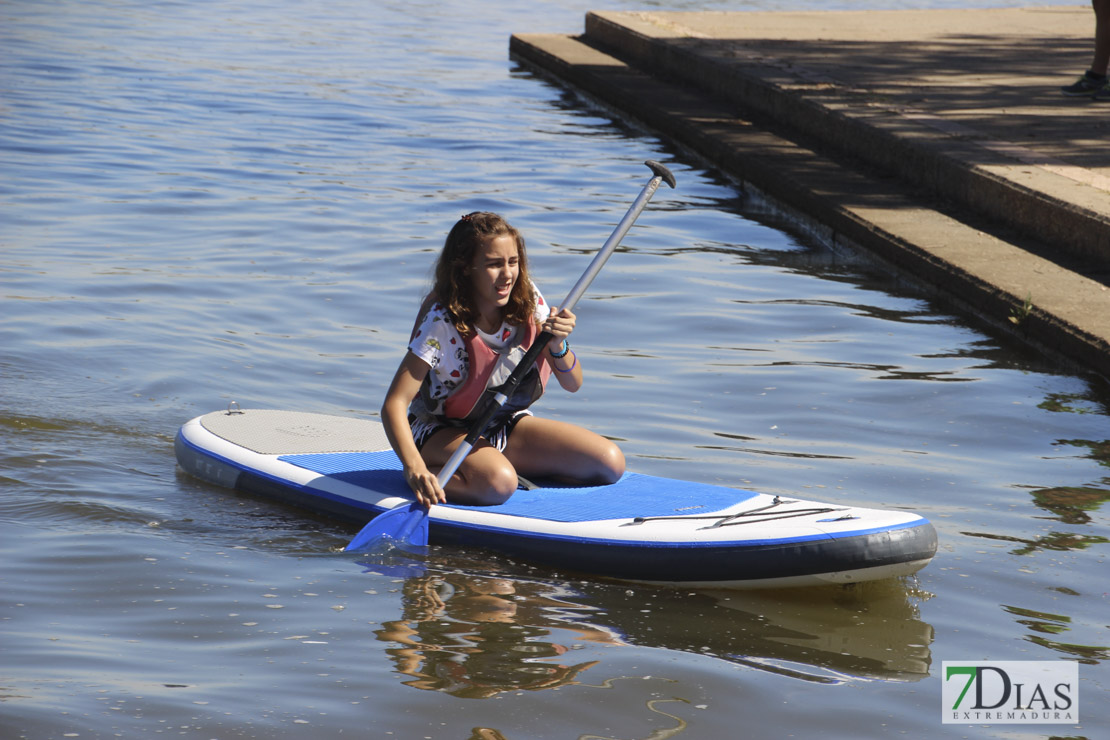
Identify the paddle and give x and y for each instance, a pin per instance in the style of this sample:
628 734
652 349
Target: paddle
407 523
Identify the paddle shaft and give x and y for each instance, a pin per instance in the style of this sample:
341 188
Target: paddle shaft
498 400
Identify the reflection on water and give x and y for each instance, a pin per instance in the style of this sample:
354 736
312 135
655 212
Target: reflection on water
1098 451
655 706
1071 504
478 635
1047 628
1050 541
485 733
1068 504
1074 403
824 635
475 637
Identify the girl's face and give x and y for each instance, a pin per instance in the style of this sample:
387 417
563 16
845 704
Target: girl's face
493 273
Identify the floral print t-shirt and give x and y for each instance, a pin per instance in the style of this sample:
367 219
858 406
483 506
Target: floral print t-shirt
439 344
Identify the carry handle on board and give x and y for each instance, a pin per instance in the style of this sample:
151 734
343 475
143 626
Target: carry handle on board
407 522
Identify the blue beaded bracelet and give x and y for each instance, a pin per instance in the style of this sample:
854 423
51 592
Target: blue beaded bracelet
563 352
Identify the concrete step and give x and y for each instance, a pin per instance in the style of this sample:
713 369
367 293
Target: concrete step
989 275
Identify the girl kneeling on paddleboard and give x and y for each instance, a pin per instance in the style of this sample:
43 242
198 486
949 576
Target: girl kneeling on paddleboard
482 308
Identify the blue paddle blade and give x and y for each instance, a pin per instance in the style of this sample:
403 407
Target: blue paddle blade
405 524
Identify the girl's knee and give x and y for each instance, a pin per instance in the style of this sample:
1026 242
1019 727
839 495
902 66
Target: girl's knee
487 485
611 463
500 484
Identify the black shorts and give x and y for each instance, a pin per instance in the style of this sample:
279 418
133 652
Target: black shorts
497 436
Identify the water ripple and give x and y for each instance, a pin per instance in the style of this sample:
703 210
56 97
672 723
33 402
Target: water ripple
242 201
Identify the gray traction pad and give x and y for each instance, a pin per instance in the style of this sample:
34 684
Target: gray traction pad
272 432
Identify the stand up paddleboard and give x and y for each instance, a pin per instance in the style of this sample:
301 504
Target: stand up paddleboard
640 528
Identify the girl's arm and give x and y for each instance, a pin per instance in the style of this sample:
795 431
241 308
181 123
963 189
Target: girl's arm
395 417
567 368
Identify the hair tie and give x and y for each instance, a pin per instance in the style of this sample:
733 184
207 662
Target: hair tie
572 365
465 217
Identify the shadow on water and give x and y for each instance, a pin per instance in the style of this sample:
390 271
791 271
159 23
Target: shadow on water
479 632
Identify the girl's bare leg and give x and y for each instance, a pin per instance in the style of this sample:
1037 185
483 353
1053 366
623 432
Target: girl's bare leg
539 448
547 448
485 477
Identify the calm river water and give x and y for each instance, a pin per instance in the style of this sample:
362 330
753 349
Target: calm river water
215 201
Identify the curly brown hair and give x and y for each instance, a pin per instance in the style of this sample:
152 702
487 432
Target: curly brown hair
452 273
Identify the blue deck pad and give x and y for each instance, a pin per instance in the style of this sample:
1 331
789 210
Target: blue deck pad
632 496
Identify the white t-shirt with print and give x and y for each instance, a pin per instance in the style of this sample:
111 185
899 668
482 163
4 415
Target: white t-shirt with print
439 344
